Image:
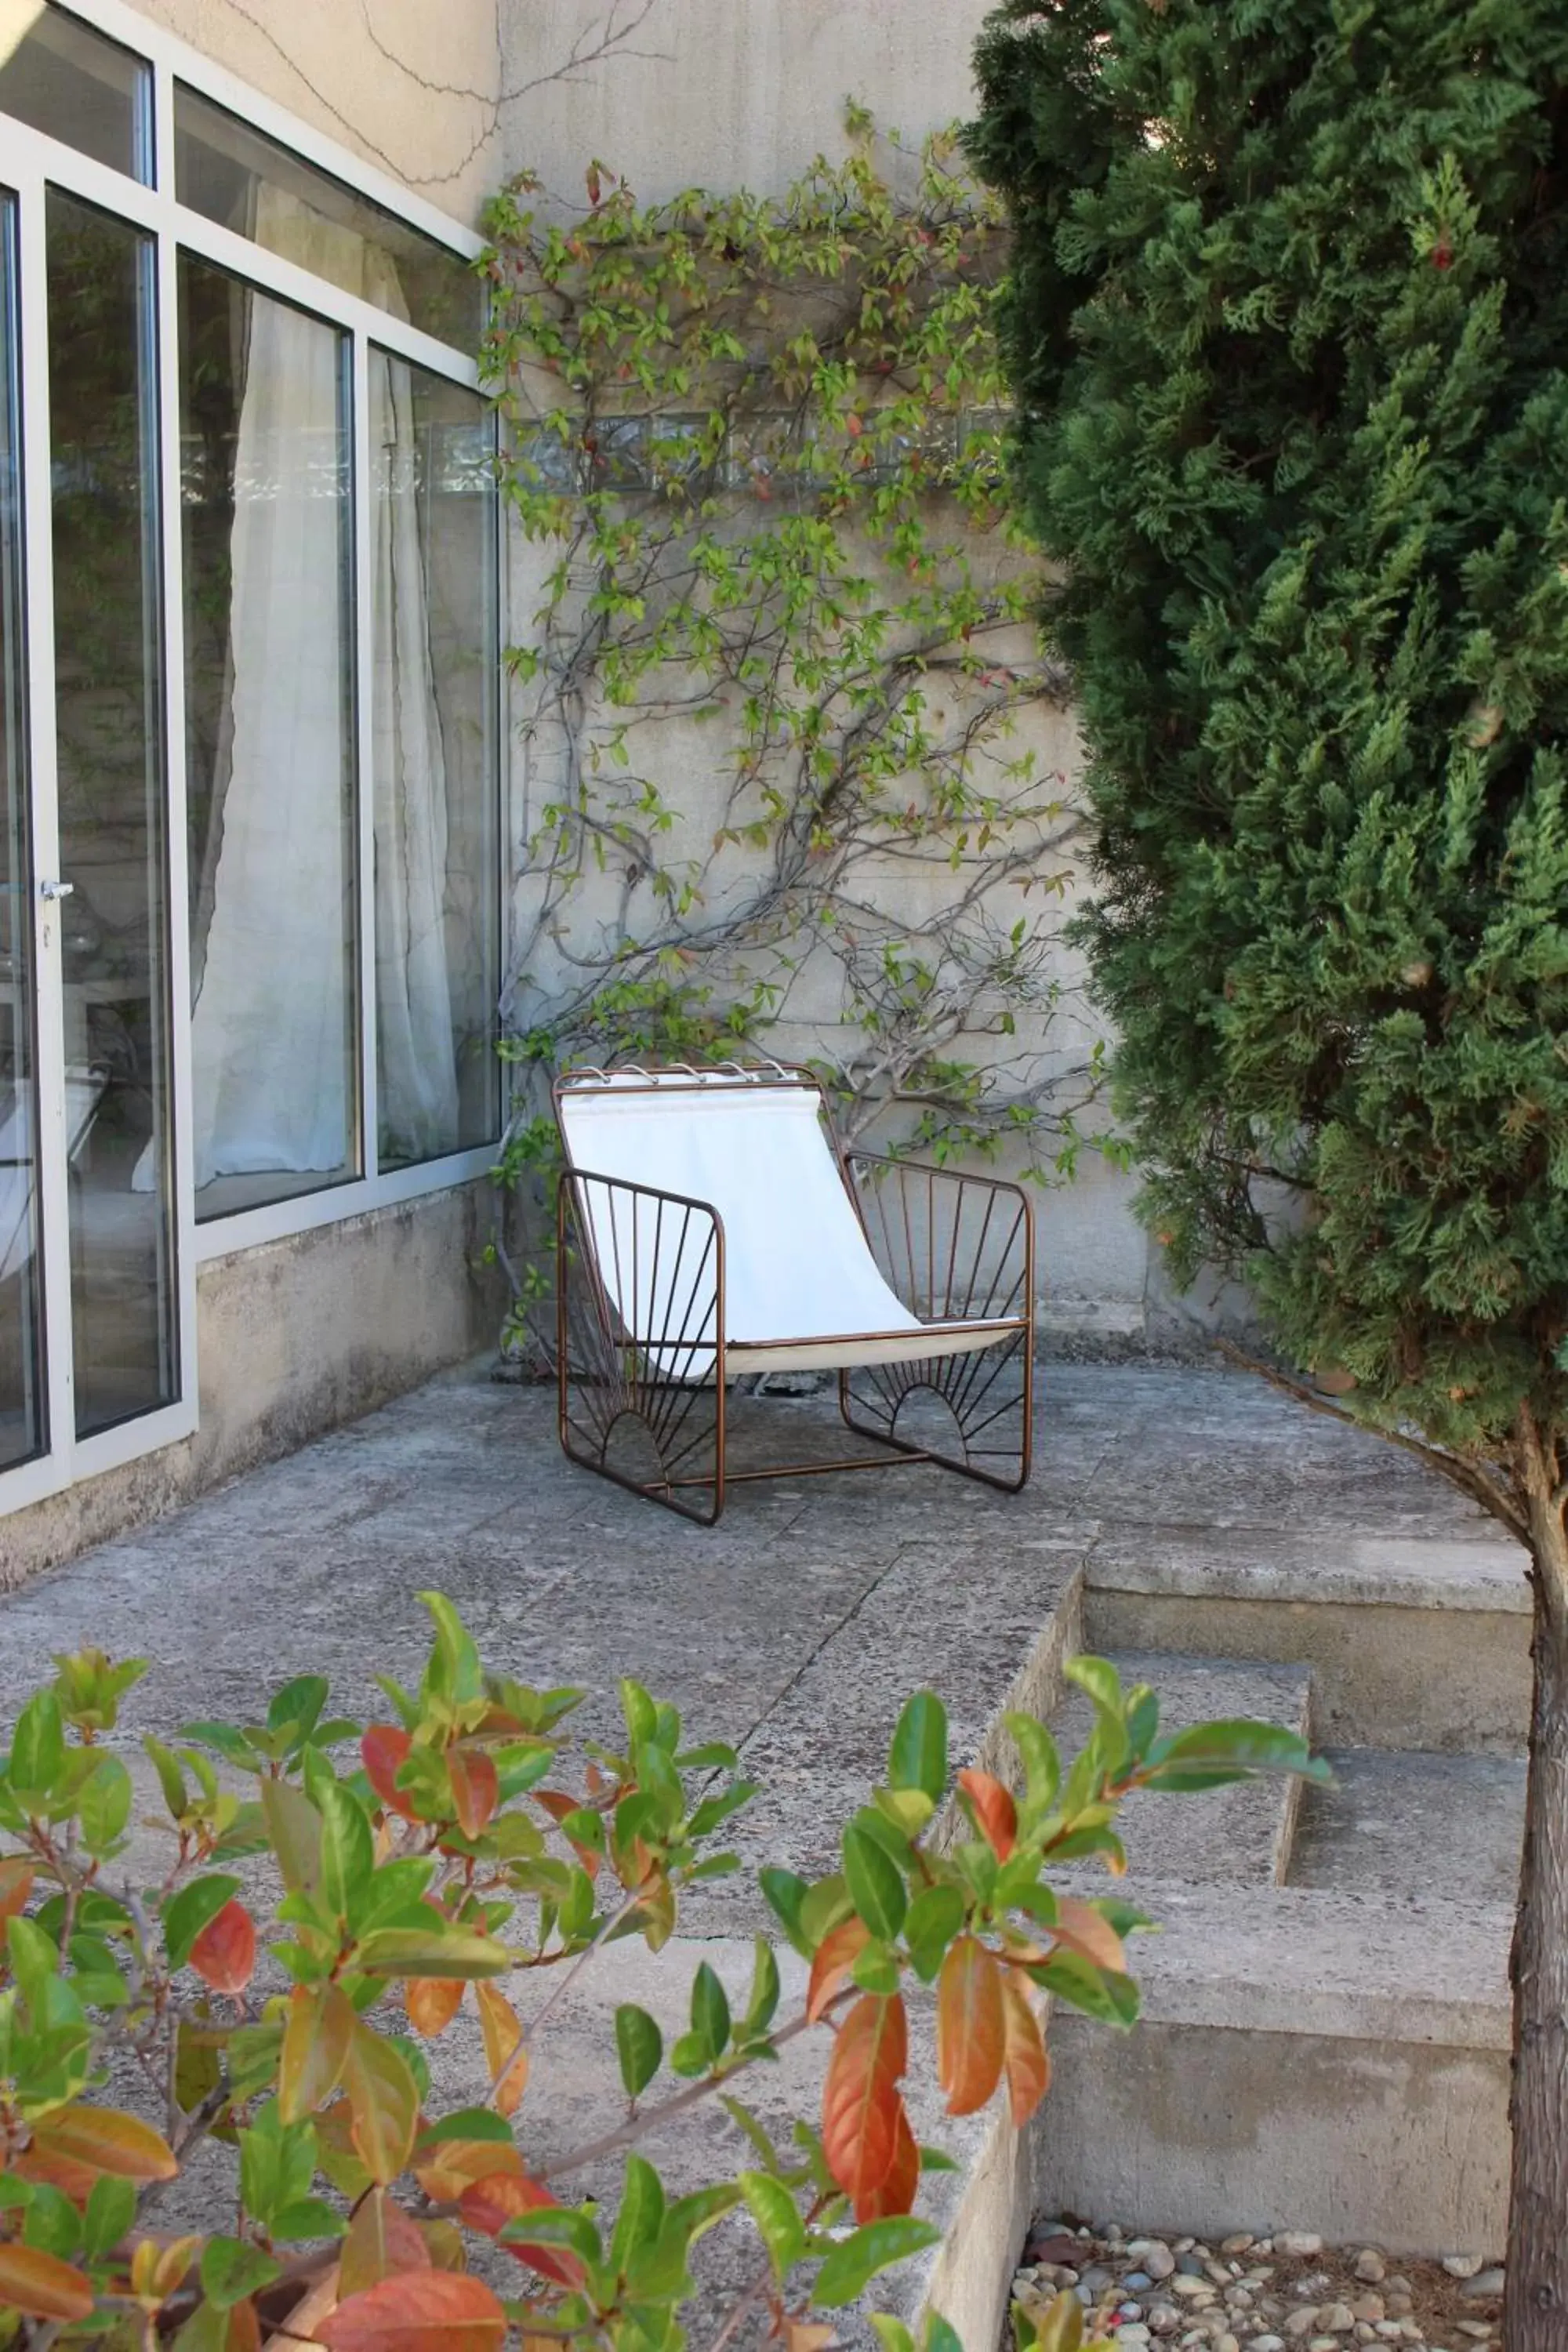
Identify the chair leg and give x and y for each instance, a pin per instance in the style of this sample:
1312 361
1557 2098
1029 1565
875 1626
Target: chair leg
988 1398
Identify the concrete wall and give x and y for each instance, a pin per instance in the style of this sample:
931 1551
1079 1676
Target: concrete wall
729 92
293 1339
412 87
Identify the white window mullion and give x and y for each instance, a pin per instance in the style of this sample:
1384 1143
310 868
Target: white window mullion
52 1165
176 845
364 744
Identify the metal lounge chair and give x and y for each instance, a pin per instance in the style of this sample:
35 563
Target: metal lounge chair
711 1226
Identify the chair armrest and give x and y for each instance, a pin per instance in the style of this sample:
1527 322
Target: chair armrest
652 1261
954 1246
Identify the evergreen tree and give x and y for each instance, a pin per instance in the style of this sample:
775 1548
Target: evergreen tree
1287 332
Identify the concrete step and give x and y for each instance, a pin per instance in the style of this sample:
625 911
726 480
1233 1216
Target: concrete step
1239 1836
1323 2059
1419 1643
1413 1827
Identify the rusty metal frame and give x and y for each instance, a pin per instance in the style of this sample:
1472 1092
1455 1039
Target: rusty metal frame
608 1376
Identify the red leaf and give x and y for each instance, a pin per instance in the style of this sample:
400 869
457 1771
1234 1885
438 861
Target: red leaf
897 2193
432 2002
382 1751
417 2311
475 1788
994 1810
970 2030
836 1956
224 1953
860 2103
490 2204
1025 2058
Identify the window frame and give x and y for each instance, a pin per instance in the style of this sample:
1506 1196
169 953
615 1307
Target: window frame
30 162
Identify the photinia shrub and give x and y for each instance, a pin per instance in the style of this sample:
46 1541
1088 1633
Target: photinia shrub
330 1896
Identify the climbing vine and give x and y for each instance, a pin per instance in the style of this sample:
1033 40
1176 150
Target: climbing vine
789 743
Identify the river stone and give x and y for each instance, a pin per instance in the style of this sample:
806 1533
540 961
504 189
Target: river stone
1484 2285
1371 2266
1298 2244
1159 2261
1336 2319
1463 2266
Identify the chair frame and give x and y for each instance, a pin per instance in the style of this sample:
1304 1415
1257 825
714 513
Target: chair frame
606 1376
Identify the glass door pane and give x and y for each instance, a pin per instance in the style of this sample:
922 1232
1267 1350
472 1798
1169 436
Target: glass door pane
432 602
267 517
114 926
22 1424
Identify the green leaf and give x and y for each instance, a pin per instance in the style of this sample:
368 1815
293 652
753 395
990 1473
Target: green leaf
935 1916
641 2216
785 1894
640 2046
294 1831
170 1780
232 2268
778 2220
103 1805
640 1712
432 1951
892 2332
37 1747
35 1958
918 1758
765 1996
1234 1750
876 1883
110 2210
709 2011
856 2261
555 2226
1042 1765
296 1707
186 1913
347 1848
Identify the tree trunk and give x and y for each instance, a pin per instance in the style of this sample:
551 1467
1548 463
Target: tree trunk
1535 2314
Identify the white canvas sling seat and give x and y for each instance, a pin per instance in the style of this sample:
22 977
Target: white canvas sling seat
802 1290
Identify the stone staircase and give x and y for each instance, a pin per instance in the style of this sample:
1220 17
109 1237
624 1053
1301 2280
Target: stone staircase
1325 2031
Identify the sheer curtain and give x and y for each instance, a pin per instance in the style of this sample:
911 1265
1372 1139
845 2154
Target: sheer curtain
416 1053
272 1049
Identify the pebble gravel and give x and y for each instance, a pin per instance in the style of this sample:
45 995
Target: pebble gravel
1280 2292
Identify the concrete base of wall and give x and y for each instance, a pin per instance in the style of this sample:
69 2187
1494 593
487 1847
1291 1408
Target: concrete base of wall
293 1339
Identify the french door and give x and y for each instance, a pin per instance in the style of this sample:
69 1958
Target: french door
96 1299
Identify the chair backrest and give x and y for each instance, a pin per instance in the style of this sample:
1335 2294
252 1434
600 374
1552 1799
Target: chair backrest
753 1146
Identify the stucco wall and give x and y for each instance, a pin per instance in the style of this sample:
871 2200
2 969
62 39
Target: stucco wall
293 1339
411 87
729 92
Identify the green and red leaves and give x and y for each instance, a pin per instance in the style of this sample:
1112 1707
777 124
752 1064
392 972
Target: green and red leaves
382 2241
864 2129
504 2198
506 2053
42 2285
103 2140
383 2099
316 2035
417 2311
384 1751
971 2030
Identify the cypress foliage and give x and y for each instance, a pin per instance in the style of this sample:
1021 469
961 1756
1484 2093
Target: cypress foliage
1288 328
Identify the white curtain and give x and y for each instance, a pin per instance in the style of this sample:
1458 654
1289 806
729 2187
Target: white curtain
417 1059
272 1065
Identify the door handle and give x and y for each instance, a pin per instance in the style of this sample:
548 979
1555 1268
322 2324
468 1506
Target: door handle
56 890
